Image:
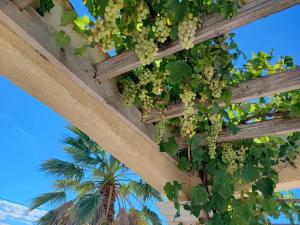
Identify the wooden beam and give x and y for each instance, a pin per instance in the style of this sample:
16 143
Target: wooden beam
213 26
22 3
64 82
266 86
254 130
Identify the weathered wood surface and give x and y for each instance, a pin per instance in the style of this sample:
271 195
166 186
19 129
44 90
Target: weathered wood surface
64 82
266 86
22 3
213 26
254 130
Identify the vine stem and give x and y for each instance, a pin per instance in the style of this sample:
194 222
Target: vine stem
189 152
204 181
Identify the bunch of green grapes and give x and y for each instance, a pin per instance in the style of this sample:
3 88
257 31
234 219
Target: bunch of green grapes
187 31
208 72
142 11
147 101
156 77
160 128
233 158
241 155
213 134
145 77
105 29
145 47
162 29
158 82
129 91
229 156
216 86
189 120
189 125
188 97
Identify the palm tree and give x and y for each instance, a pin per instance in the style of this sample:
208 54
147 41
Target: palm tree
101 186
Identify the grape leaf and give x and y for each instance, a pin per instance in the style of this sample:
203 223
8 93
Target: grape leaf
179 71
62 39
68 18
80 51
82 22
169 146
45 6
183 164
198 195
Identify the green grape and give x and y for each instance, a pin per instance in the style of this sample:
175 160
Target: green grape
148 103
213 134
105 29
188 98
160 128
142 11
241 155
229 156
159 80
162 30
187 31
233 158
129 91
208 72
145 77
189 120
189 125
145 47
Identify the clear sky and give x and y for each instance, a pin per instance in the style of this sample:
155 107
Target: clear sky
30 132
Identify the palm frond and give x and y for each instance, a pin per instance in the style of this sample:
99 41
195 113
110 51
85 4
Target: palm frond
151 216
58 168
144 191
66 184
85 187
51 197
59 216
82 141
87 208
81 157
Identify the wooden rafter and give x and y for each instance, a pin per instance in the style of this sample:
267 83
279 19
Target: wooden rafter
213 26
266 86
254 130
22 3
64 82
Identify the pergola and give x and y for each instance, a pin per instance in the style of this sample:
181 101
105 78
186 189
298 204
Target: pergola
84 91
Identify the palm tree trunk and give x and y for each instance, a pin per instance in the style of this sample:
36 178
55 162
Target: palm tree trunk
109 196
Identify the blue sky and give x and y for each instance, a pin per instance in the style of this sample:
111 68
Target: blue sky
30 132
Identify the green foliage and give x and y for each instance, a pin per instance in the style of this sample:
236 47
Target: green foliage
68 18
172 193
45 6
52 197
62 39
198 195
82 22
179 71
169 146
